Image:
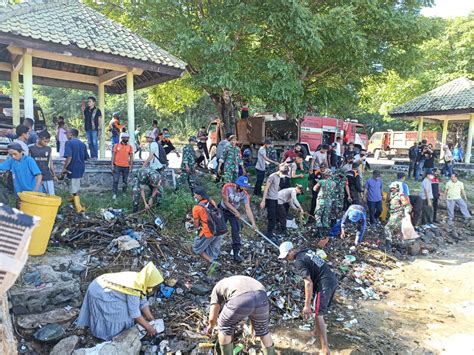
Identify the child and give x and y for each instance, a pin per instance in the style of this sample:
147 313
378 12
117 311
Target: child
26 174
61 136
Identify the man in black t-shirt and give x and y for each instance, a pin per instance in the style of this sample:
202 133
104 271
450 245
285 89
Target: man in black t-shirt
320 284
41 153
91 115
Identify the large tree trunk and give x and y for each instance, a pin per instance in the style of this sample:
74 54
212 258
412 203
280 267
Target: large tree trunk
226 109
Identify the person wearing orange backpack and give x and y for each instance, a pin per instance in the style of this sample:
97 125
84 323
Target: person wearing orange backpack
206 244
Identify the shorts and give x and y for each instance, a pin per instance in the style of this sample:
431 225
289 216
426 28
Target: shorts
74 185
211 246
48 187
251 304
322 300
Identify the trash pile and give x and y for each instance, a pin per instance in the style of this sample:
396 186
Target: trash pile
114 242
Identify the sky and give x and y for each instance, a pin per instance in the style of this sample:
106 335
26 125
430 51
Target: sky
449 8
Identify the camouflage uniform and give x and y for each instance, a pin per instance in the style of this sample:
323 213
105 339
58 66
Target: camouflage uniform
322 213
397 210
232 160
141 179
273 155
189 158
339 194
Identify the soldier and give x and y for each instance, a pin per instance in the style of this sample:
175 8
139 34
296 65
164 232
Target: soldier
342 188
273 155
232 160
188 171
143 178
322 213
399 207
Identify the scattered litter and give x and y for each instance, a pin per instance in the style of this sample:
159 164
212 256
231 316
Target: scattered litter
158 324
349 259
166 291
291 223
50 332
349 324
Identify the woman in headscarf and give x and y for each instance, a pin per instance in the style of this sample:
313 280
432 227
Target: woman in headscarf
115 301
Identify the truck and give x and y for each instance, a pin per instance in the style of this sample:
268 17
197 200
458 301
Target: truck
6 114
397 143
310 132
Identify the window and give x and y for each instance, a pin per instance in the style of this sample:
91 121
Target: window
360 129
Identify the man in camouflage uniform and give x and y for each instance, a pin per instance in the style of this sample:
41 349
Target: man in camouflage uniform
399 207
272 154
322 213
188 171
232 160
340 180
143 178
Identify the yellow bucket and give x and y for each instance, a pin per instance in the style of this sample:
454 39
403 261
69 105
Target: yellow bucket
45 207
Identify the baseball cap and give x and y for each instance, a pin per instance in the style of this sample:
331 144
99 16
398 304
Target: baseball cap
353 216
199 190
267 141
242 181
124 135
149 134
192 139
285 248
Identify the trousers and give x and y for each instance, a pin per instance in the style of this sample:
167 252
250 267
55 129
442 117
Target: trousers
417 206
257 191
234 228
93 144
272 206
375 210
282 214
123 172
426 213
451 204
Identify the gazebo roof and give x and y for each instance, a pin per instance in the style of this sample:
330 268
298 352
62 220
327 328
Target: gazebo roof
454 97
71 29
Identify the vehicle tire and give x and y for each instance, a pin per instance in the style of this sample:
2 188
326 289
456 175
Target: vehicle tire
389 156
377 154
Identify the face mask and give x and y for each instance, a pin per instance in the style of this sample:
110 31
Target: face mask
167 135
124 141
196 200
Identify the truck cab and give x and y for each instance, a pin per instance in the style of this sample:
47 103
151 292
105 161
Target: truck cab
6 114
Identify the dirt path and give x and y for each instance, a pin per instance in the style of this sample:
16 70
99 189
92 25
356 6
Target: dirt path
429 309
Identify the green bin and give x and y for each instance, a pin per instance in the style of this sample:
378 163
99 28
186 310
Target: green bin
301 181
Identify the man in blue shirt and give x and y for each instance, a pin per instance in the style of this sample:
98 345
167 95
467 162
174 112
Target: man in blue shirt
354 216
26 174
75 153
373 194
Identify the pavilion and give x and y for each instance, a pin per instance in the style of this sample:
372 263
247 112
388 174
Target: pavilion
451 102
67 44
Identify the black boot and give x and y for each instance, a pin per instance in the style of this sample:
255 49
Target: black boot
237 258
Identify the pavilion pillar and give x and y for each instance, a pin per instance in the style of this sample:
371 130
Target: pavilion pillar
101 99
130 108
28 85
470 136
15 85
420 129
444 136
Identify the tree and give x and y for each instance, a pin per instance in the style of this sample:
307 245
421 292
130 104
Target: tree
290 54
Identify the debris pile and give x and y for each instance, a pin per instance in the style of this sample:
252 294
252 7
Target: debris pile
118 243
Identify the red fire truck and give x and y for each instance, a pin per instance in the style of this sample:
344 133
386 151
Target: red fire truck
311 132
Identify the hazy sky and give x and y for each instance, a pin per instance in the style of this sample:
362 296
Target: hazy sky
449 8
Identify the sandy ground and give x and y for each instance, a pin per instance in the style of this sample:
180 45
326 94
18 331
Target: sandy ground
429 309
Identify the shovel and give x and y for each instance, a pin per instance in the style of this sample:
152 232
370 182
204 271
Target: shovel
260 233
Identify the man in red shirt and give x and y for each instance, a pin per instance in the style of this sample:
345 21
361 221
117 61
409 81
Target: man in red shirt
207 245
292 153
122 163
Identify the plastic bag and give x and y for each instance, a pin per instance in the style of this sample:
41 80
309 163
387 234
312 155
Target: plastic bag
212 164
408 231
291 223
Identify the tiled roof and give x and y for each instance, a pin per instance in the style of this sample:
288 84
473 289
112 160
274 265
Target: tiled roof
452 97
71 23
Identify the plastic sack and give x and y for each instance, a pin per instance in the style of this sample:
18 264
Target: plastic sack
408 231
212 164
291 223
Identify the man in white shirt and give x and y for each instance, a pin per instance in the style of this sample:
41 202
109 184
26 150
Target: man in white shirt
337 149
260 167
320 157
153 160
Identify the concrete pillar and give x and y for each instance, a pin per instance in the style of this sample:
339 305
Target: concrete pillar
15 84
420 129
470 136
101 99
28 85
444 136
130 108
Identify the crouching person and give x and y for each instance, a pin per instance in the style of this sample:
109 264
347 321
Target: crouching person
146 177
114 302
232 300
212 227
320 284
